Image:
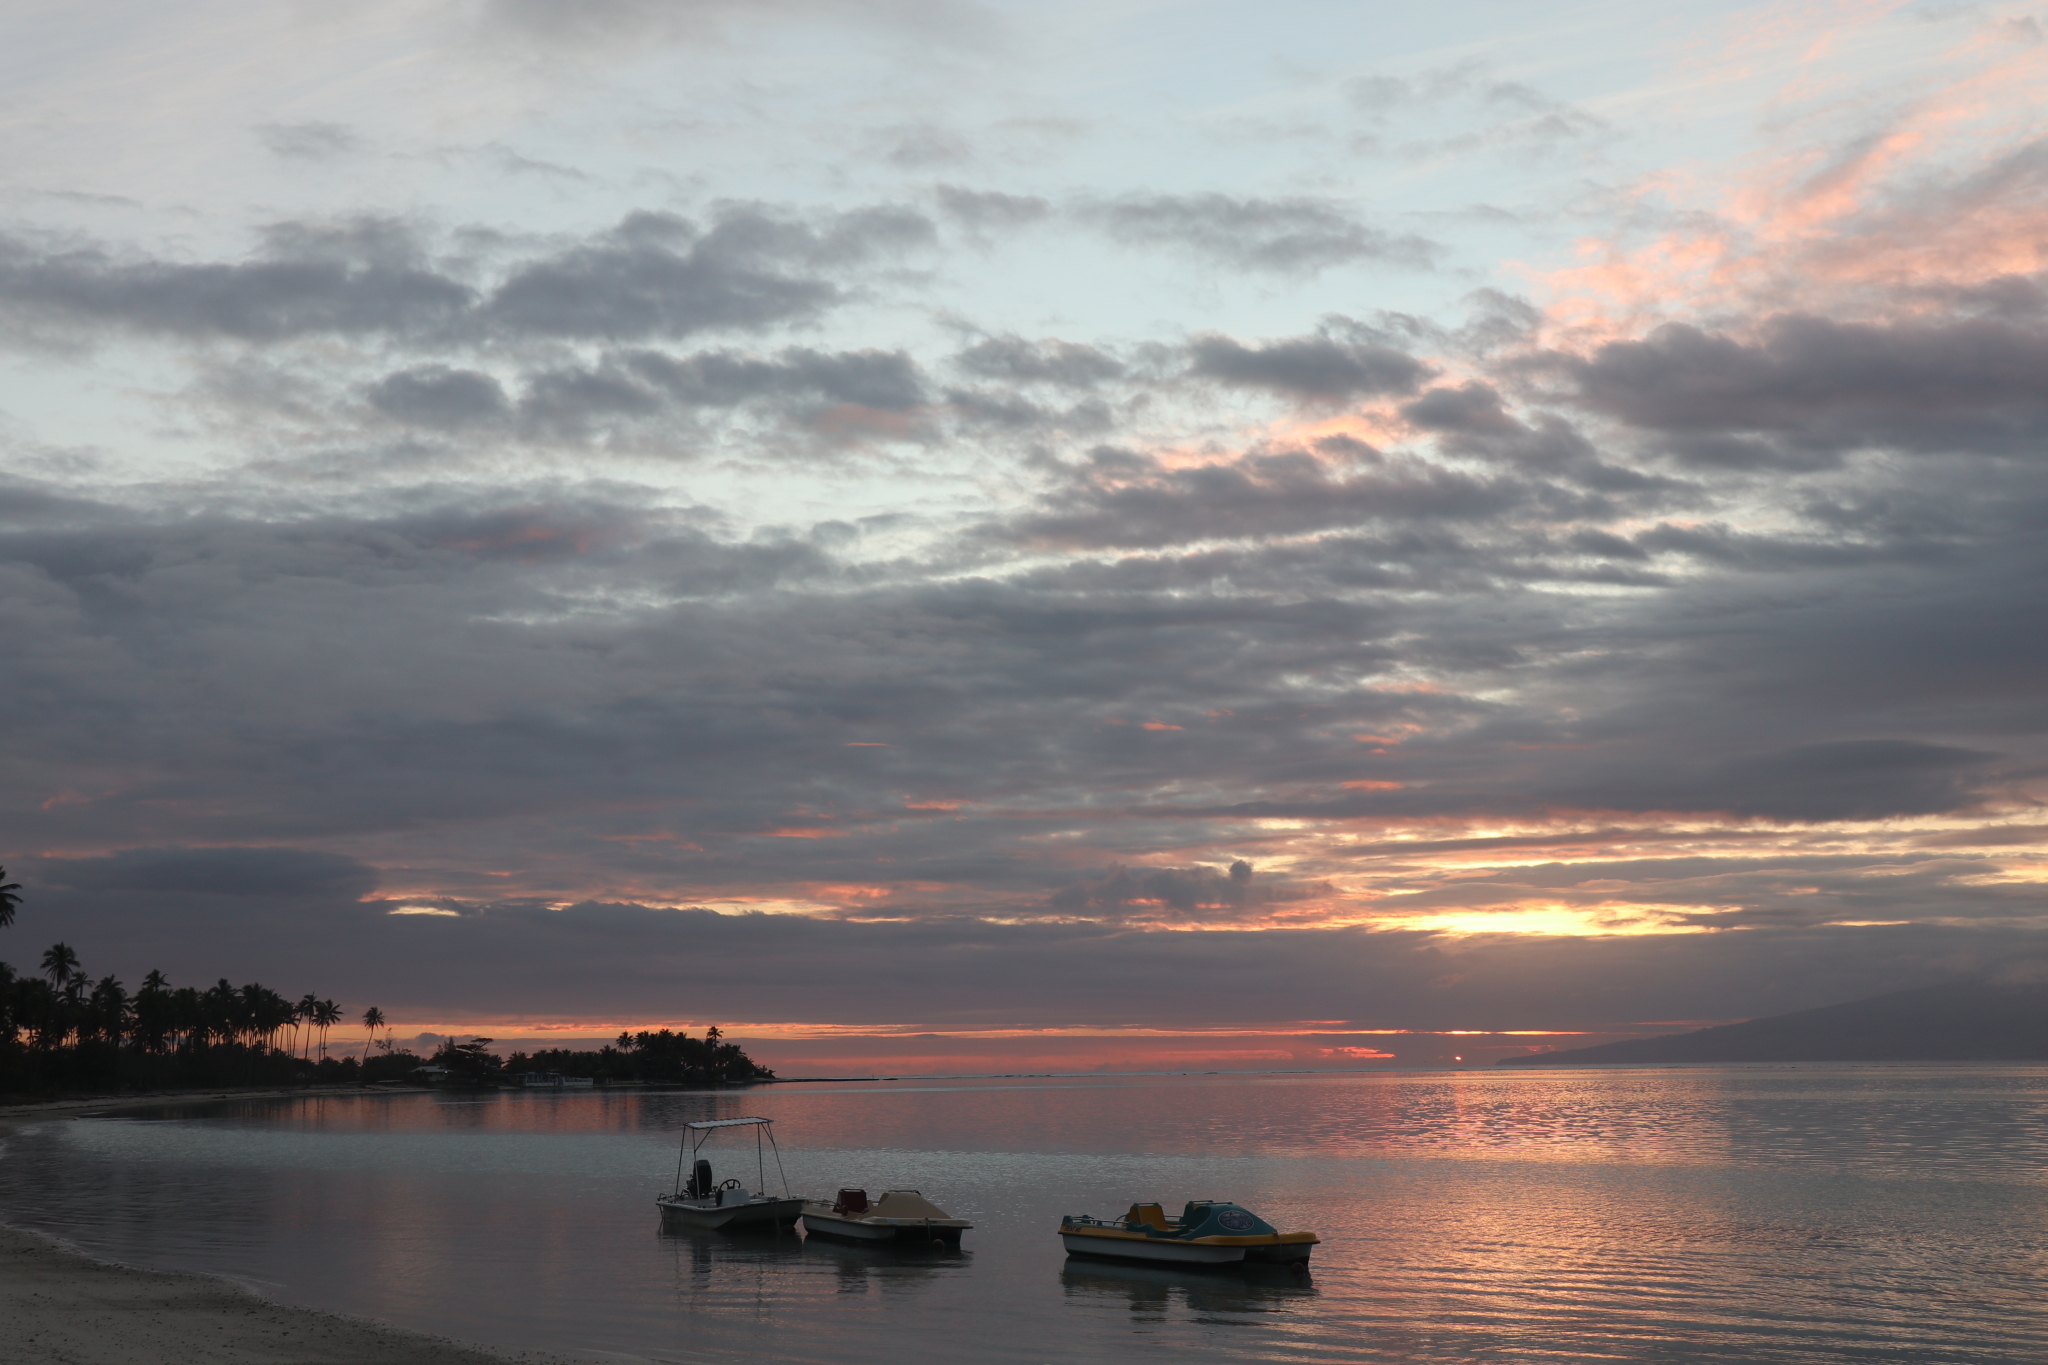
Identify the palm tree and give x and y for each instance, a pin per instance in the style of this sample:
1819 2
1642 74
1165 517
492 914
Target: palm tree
154 1022
373 1019
222 1019
305 1012
108 1006
10 897
189 1013
326 1014
60 961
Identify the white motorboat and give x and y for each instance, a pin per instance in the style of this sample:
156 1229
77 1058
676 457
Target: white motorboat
894 1216
705 1204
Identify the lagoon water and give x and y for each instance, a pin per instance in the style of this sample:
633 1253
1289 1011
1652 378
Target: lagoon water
1795 1214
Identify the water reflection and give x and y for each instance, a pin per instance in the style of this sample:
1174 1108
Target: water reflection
1158 1290
1882 1121
1792 1215
884 1267
730 1267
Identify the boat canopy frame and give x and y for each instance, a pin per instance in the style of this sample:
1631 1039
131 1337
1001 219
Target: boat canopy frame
697 1133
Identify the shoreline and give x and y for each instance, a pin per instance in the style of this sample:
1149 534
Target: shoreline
60 1305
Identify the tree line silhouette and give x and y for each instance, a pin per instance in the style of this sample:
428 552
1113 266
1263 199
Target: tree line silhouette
658 1057
62 1030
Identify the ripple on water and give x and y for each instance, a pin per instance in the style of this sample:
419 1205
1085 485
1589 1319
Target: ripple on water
1766 1214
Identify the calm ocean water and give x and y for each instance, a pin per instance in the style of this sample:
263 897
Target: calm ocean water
1743 1214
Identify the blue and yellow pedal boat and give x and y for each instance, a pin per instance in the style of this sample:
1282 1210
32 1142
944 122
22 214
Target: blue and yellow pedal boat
1208 1232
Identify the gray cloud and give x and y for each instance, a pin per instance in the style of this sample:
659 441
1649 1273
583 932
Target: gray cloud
916 145
602 25
1065 363
870 378
656 276
1472 408
437 396
1861 779
1511 114
1318 367
264 299
625 388
311 141
1124 499
1292 235
651 276
1182 890
270 873
1856 779
1976 382
990 210
597 688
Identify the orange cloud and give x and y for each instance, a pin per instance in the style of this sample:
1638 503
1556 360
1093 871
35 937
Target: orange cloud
1855 225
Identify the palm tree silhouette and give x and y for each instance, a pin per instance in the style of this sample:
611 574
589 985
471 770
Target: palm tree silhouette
373 1019
306 1012
154 1022
60 963
326 1014
10 897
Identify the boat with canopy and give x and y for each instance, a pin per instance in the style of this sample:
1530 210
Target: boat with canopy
1208 1232
703 1203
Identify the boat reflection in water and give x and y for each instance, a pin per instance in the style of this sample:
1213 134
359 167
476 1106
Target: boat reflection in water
887 1268
722 1278
1155 1291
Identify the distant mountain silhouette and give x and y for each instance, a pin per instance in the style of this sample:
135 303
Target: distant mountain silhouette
1970 1021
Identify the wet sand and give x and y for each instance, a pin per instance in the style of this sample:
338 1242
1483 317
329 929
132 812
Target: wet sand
58 1307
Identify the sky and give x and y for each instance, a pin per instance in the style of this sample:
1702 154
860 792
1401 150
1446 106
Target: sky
941 536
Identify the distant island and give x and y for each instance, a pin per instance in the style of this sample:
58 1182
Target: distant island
1971 1021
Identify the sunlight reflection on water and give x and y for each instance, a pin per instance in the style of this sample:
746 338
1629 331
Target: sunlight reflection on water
1757 1214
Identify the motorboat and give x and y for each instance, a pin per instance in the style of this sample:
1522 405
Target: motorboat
1208 1232
893 1216
703 1203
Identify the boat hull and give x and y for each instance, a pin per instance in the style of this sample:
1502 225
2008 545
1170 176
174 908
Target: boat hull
1154 1251
1280 1253
693 1215
825 1223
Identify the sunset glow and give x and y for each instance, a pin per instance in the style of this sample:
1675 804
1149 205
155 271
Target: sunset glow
942 538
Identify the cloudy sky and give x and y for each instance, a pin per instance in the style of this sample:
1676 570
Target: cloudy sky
941 535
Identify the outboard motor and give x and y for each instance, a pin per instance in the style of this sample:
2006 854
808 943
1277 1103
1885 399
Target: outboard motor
700 1180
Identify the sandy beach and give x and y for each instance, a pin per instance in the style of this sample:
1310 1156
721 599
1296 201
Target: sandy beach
58 1307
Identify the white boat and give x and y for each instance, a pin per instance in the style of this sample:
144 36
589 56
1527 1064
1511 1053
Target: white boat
1208 1232
704 1204
894 1216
